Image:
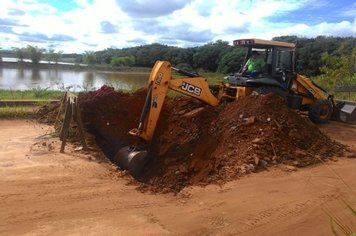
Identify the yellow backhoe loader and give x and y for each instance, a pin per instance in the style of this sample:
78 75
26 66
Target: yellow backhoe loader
277 76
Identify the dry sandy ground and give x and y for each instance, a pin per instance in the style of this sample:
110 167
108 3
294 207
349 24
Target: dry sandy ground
43 192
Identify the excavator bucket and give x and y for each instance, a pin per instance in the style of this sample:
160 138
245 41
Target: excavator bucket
134 158
131 159
345 111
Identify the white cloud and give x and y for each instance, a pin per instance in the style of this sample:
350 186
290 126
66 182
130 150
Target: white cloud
177 22
150 8
224 15
343 28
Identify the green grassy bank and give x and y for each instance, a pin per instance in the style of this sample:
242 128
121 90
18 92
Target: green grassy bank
41 96
32 94
17 112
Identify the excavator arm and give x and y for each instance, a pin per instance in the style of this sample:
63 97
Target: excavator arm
133 158
160 81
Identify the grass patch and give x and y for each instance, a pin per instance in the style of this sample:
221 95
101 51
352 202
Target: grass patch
329 85
33 94
351 96
214 78
17 112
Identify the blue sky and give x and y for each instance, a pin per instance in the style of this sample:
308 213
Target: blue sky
75 26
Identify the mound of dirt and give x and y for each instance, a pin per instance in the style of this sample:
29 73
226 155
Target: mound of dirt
110 115
195 144
47 114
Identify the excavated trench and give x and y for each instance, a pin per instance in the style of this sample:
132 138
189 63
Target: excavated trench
196 144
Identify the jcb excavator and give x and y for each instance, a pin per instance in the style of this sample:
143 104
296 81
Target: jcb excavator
278 76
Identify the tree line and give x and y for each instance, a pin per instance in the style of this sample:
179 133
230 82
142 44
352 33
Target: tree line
34 54
314 55
220 56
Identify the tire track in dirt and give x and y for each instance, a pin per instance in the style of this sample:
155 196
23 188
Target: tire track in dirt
35 215
282 212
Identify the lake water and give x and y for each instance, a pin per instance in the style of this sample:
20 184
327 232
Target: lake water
15 78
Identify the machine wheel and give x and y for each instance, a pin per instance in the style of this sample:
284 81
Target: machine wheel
268 89
320 111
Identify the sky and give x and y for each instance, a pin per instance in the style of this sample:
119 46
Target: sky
77 26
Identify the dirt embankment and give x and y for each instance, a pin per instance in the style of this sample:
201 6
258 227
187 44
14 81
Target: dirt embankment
197 144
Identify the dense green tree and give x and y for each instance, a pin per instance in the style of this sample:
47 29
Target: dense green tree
232 61
208 56
105 56
49 54
89 57
57 56
53 56
309 51
214 56
287 38
34 53
185 56
122 61
20 53
337 70
345 46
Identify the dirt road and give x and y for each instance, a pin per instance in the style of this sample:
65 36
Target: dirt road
43 192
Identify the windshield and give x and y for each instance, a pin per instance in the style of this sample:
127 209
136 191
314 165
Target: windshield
284 59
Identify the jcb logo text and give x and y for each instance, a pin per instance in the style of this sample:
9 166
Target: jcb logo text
191 88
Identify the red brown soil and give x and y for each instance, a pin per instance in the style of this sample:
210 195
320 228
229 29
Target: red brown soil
195 144
109 115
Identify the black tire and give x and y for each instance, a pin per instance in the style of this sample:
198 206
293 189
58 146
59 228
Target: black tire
320 111
270 89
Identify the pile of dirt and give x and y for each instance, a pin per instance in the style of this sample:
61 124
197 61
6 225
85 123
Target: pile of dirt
198 144
110 115
48 113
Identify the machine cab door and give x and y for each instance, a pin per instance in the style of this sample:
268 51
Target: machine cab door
284 69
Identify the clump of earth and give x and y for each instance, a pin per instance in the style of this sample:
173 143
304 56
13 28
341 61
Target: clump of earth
196 144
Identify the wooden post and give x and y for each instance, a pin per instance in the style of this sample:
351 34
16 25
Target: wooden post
66 124
78 120
71 110
63 102
66 105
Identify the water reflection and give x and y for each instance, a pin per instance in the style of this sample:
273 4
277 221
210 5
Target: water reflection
21 73
35 76
88 81
68 79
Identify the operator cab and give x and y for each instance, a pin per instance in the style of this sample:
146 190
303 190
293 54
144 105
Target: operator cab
279 69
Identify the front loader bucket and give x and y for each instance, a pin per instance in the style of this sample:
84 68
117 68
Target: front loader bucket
345 111
131 159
